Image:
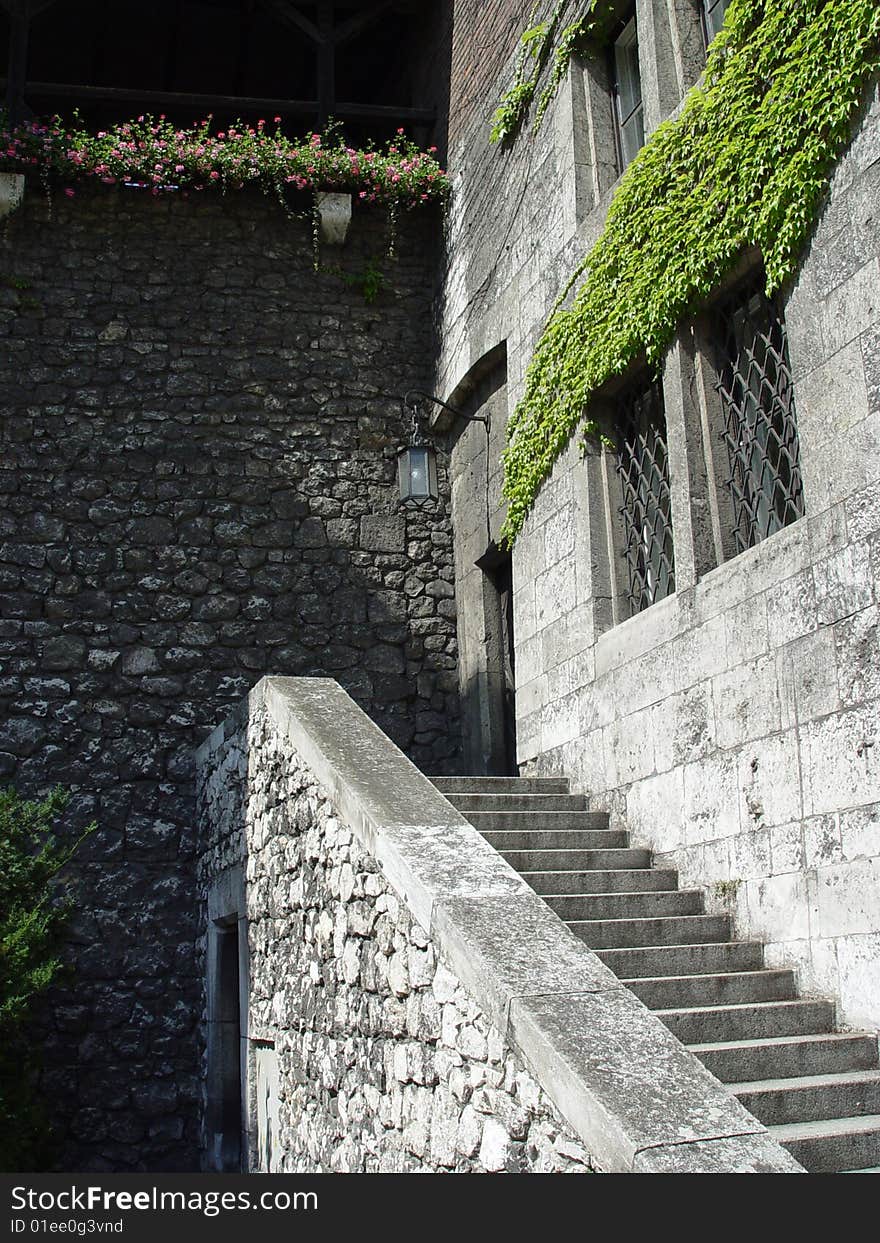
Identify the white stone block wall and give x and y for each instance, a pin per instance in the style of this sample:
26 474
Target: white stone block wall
734 726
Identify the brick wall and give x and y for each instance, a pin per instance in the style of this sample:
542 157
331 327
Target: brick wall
484 37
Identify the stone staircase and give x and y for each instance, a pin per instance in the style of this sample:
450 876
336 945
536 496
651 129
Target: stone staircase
817 1090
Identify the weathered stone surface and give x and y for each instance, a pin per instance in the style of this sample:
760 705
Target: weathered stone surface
630 1083
482 1013
383 532
167 496
729 1155
424 845
384 1057
507 947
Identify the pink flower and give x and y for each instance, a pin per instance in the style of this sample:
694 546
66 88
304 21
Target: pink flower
214 175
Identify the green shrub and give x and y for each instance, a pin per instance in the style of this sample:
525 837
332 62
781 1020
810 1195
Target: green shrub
33 910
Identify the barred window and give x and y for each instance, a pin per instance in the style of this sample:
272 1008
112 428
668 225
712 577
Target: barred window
760 428
642 465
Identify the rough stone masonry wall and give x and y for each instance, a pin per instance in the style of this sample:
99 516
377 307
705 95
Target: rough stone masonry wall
732 727
385 1062
409 1002
197 485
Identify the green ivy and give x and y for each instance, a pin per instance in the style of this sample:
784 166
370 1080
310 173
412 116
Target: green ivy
579 38
535 46
745 164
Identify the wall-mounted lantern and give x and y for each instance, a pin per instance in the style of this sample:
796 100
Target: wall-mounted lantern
417 462
417 474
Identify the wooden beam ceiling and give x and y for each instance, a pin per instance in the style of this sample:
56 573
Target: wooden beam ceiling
326 33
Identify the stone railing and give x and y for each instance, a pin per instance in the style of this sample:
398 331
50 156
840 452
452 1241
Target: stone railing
410 1003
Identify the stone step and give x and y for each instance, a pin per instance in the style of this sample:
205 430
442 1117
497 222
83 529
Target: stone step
720 989
617 880
817 1091
809 1098
501 785
492 821
674 930
679 960
832 1144
757 1020
535 803
555 839
787 1057
570 860
644 904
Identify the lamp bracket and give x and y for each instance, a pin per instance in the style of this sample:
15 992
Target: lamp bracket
416 393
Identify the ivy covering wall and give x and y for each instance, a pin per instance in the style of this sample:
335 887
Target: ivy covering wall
745 164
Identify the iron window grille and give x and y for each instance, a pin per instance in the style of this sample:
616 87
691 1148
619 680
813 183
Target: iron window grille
760 426
627 88
643 467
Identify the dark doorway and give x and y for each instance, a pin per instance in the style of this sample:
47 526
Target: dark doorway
497 568
225 1118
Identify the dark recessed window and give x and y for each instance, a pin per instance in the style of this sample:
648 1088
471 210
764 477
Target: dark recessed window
713 18
643 468
627 84
760 427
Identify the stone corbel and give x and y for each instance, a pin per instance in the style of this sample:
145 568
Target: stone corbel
334 211
11 192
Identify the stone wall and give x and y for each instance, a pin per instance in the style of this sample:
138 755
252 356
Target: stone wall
732 726
402 1000
384 1061
197 486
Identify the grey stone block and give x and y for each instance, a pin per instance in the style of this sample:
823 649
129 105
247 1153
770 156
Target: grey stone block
514 946
621 1078
383 532
424 845
733 1154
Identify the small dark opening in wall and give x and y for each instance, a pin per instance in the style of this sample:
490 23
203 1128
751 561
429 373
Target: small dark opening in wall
225 1092
497 567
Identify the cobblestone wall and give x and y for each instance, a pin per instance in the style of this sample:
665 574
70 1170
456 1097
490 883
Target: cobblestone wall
385 1063
197 487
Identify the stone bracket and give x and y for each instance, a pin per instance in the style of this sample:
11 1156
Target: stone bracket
334 212
11 192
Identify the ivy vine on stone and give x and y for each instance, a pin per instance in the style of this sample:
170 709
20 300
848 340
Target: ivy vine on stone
745 164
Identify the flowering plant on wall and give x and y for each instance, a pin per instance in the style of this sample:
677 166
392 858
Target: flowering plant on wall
159 156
